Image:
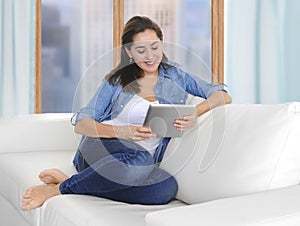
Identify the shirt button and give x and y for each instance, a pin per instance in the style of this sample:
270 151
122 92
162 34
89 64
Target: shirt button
122 105
181 101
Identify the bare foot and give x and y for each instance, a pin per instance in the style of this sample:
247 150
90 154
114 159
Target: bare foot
35 196
53 176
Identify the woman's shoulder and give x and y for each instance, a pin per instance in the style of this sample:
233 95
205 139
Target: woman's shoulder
108 88
108 84
171 65
172 68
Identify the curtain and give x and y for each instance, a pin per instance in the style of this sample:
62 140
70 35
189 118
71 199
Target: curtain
261 50
17 57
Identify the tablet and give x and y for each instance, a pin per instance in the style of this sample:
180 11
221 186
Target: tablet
160 118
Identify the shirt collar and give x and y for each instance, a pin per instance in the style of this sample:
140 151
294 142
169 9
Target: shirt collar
163 73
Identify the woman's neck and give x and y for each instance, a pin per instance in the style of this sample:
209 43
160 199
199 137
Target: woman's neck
147 86
150 74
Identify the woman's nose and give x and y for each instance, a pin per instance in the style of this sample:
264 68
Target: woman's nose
149 54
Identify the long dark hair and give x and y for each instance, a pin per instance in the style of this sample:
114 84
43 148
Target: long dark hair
127 73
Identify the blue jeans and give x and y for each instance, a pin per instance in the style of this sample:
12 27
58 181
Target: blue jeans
119 170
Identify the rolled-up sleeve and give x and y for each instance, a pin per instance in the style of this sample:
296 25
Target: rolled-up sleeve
96 106
199 87
85 112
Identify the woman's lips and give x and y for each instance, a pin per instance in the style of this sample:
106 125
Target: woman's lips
149 63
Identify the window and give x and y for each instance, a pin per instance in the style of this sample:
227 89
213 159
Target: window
75 35
186 25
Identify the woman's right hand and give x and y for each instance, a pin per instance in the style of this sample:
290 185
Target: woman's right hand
133 133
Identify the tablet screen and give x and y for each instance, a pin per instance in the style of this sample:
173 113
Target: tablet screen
160 118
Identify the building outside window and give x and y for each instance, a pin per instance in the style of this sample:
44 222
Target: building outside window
77 43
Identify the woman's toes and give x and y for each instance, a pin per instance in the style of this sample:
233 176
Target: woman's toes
52 176
36 196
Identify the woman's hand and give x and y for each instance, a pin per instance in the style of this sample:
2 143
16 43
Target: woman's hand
133 133
186 122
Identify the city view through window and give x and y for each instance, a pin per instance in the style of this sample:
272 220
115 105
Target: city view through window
76 34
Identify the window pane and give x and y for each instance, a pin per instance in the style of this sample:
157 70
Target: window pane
186 26
74 34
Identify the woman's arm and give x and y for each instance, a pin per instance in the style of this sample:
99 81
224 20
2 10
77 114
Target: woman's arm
92 128
218 98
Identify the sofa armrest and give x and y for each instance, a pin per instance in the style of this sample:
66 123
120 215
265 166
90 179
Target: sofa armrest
37 132
270 208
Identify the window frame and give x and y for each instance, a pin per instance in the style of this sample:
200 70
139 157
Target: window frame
217 52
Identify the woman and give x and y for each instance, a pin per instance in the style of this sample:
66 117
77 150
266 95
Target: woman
117 157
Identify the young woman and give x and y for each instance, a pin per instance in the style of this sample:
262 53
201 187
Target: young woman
117 157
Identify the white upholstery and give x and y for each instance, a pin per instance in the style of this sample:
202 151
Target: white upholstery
30 144
40 142
236 150
272 208
42 132
18 171
9 214
93 211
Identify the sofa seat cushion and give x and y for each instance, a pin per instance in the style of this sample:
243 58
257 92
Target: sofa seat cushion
278 207
94 211
9 215
18 171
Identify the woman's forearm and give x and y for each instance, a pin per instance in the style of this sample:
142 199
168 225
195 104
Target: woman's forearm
92 128
216 99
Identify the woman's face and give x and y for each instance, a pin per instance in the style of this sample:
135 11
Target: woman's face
147 52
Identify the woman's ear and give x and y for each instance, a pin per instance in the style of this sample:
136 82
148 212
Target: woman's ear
128 52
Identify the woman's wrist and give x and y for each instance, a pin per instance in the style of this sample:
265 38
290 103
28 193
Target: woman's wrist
202 108
106 131
216 99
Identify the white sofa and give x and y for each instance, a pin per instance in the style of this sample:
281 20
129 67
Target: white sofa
240 165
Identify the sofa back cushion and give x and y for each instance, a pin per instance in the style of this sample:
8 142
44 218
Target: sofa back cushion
37 132
235 150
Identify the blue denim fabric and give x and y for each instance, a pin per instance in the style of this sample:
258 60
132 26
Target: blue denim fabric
119 170
172 87
122 170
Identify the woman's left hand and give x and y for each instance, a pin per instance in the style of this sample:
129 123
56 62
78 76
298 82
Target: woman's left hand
186 122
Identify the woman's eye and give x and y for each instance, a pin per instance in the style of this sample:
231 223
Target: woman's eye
154 48
141 52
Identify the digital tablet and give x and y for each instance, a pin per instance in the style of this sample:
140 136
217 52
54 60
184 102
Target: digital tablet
160 118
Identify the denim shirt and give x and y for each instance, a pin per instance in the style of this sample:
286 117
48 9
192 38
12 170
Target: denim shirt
173 87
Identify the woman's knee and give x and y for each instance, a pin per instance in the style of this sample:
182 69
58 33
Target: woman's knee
160 193
170 189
